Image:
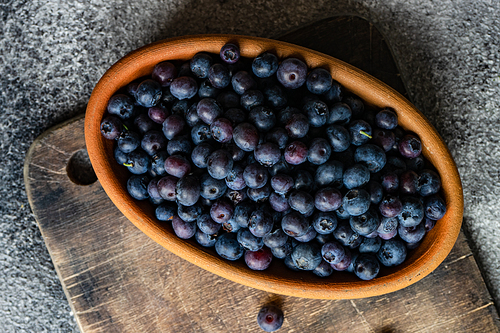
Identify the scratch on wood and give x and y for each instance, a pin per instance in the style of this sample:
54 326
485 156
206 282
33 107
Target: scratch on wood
458 259
59 172
363 319
56 149
457 317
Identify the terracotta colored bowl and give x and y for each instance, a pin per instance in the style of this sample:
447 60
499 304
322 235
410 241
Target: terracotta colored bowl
277 279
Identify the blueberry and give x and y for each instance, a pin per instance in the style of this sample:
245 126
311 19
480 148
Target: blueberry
270 318
282 183
173 125
236 196
333 252
201 133
234 180
222 130
111 127
187 190
260 223
251 99
278 202
319 151
143 123
317 112
370 245
181 107
302 202
283 251
183 87
372 156
245 136
267 154
360 132
304 181
295 224
227 247
296 153
327 199
208 110
153 190
408 182
388 227
375 190
182 229
248 241
366 266
386 119
390 182
166 211
128 141
219 76
204 239
211 188
355 104
334 94
319 81
329 174
342 214
390 206
148 93
412 234
153 142
410 146
324 269
255 175
275 238
242 81
355 176
292 73
435 207
138 162
177 165
308 236
356 202
207 90
200 65
228 99
275 96
258 260
235 115
412 212
306 256
339 137
344 263
221 210
200 154
429 224
137 186
158 113
220 164
166 187
415 164
121 105
366 223
392 253
242 213
265 65
260 194
262 117
164 72
324 222
428 183
288 261
230 226
230 53
297 125
340 113
189 213
120 156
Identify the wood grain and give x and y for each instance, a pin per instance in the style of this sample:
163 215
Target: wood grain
122 281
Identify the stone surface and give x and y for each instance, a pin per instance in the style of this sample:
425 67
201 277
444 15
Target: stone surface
53 53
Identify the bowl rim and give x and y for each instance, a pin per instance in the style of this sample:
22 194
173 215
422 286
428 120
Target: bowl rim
140 62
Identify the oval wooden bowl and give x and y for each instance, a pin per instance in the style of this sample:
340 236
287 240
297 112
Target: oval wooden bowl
277 279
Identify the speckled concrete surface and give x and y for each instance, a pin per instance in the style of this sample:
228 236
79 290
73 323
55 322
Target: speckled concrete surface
53 53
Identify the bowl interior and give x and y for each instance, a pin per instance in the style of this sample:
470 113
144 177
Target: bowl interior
278 279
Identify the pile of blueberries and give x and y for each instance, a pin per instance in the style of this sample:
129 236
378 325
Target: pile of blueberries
265 158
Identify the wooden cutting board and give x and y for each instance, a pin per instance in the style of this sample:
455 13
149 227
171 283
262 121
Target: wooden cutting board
118 280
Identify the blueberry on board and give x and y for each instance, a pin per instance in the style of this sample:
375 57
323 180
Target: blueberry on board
187 190
435 207
259 260
111 127
265 65
242 81
270 318
412 212
372 156
340 114
230 53
164 72
428 183
204 239
294 224
319 81
182 229
370 245
317 112
355 176
121 105
227 247
128 141
166 211
138 162
339 137
330 174
246 137
137 186
183 87
366 223
356 202
306 256
366 266
292 73
248 241
200 64
148 93
392 252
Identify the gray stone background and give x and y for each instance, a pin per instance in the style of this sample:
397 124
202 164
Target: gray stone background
52 53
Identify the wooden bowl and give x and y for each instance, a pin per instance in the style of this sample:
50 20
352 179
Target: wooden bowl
277 278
